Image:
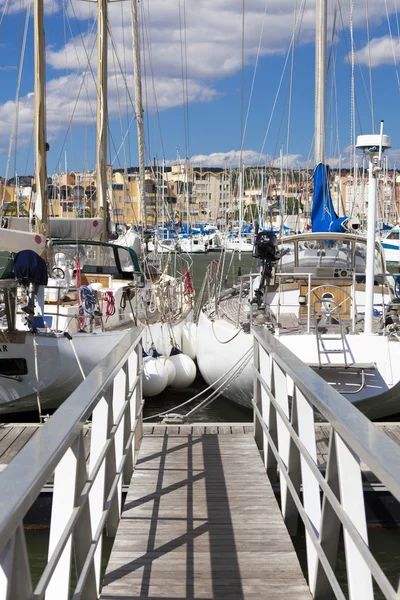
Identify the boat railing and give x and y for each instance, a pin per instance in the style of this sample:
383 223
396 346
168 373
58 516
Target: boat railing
351 296
327 496
85 497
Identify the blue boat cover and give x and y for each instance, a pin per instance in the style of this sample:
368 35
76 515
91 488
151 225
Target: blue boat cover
323 215
29 267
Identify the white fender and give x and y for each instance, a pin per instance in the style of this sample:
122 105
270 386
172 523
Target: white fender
185 370
155 376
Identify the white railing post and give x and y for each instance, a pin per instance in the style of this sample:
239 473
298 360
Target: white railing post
281 397
15 576
139 398
100 432
268 411
352 499
330 524
311 491
258 430
118 389
130 417
64 499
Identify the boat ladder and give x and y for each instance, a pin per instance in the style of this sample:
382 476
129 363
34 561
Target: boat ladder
329 328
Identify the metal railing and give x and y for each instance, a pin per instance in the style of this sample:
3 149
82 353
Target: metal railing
311 286
85 497
285 435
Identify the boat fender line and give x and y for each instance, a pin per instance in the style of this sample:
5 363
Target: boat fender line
69 338
221 388
154 352
227 341
175 351
35 356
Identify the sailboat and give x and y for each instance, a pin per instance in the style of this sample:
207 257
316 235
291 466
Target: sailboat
54 331
326 295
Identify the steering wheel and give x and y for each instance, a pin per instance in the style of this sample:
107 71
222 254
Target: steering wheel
338 304
58 272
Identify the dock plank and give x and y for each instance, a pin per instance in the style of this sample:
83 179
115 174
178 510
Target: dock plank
201 521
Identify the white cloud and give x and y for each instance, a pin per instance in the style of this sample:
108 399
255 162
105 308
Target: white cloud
213 37
382 51
250 158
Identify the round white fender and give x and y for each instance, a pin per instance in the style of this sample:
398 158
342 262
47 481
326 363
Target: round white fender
169 365
155 376
189 339
185 370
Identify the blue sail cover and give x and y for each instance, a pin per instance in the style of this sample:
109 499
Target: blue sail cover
323 215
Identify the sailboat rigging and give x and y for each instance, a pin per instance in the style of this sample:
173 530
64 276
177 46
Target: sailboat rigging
325 294
97 289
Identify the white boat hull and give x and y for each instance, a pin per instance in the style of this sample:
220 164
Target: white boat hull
216 355
58 370
378 397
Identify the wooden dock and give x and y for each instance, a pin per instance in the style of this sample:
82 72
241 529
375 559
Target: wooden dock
201 521
14 436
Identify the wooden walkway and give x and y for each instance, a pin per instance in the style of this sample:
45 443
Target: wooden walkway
14 436
201 521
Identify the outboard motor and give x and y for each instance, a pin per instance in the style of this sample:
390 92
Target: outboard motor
266 249
30 270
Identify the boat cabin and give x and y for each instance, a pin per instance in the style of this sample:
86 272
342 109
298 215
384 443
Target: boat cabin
315 268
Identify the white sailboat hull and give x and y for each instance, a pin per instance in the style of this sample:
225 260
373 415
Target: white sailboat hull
58 370
219 347
378 397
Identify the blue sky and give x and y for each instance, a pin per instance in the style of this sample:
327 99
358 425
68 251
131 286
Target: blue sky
213 51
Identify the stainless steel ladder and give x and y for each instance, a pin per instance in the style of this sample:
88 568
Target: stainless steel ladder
329 311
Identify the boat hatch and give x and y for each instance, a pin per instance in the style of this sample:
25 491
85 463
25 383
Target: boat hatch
11 367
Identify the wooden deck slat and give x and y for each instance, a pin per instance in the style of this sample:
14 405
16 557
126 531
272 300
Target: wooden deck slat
18 443
201 521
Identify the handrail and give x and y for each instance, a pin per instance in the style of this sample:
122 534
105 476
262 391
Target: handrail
112 394
286 436
373 447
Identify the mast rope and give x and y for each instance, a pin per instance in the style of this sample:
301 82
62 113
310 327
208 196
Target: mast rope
392 43
370 65
14 129
35 356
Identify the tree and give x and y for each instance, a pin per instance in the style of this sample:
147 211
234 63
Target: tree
293 206
12 208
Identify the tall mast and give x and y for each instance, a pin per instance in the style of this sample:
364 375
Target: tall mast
139 109
102 119
320 80
41 207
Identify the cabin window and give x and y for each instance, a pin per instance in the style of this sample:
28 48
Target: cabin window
393 235
125 260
